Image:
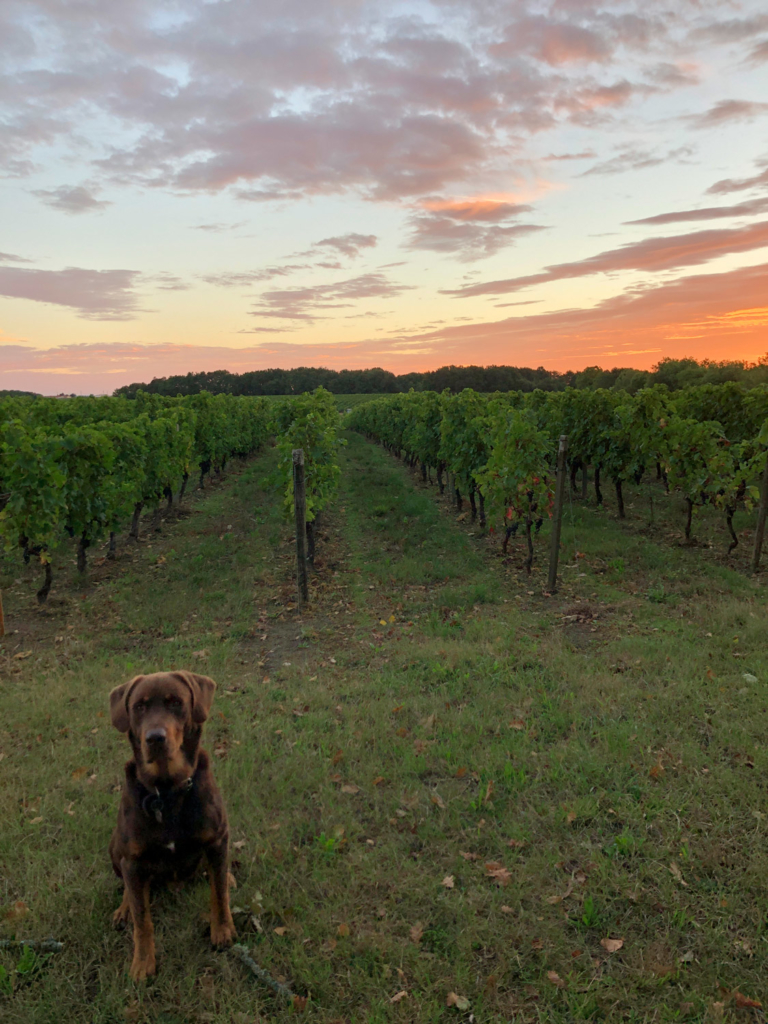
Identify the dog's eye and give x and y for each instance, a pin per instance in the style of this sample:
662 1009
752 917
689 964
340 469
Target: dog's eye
140 707
173 702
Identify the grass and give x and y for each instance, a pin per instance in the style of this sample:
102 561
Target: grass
433 713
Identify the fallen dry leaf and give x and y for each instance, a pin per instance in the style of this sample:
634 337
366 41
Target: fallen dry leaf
21 655
239 844
676 873
36 821
517 723
201 654
743 1003
469 856
299 1003
338 756
438 801
611 945
517 844
79 773
460 773
350 788
507 910
378 780
416 932
488 791
555 978
281 931
398 996
460 1002
448 882
343 930
498 873
17 912
537 944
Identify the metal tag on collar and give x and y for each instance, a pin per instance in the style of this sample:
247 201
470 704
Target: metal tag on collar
153 806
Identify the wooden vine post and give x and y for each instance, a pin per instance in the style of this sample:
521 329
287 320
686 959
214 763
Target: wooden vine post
761 514
557 515
300 511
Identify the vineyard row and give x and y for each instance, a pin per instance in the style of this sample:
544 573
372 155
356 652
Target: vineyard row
708 443
86 468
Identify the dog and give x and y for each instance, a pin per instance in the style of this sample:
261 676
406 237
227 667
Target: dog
171 811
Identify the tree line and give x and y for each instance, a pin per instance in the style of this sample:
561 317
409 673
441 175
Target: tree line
675 373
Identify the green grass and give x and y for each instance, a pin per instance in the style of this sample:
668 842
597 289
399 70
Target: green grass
432 713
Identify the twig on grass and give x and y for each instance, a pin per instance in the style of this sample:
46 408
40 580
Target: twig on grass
298 1002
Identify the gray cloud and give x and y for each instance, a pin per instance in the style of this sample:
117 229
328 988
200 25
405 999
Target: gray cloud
733 30
95 294
219 226
9 257
246 278
636 160
71 199
310 302
349 244
728 111
726 185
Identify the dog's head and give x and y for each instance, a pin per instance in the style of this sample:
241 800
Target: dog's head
163 713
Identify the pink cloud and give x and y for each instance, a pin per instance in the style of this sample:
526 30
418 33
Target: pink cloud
746 209
278 100
470 229
650 255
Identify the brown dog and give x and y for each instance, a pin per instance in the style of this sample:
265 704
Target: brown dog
171 812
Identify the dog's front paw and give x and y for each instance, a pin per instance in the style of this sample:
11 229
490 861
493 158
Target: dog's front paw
224 933
142 967
121 916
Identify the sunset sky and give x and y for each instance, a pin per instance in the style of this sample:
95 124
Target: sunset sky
252 183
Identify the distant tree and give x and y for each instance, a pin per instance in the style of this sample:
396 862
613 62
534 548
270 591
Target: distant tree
676 374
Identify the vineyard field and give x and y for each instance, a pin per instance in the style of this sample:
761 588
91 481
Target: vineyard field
439 779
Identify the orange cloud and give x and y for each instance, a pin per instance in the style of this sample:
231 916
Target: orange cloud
715 316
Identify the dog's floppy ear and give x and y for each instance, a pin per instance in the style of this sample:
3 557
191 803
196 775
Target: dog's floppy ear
118 704
201 688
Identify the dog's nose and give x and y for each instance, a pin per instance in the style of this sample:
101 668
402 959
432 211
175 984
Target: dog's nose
156 736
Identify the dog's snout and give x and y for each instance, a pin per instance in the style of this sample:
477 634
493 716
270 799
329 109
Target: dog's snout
156 736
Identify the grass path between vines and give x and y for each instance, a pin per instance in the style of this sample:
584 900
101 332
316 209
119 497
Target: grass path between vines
439 781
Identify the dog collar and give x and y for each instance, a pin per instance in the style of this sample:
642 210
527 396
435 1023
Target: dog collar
154 804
